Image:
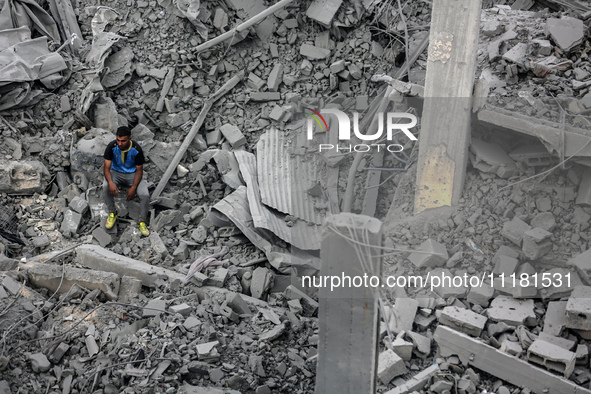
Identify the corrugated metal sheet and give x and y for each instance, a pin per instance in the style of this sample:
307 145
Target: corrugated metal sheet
301 234
284 177
235 206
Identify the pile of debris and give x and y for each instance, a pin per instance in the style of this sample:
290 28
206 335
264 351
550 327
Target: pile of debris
212 300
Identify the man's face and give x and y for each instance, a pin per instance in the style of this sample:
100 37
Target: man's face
123 142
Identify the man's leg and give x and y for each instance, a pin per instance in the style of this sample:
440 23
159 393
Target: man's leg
144 196
109 199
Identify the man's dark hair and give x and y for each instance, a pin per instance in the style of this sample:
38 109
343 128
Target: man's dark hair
123 131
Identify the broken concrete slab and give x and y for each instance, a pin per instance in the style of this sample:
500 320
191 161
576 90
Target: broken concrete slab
566 32
23 177
39 362
129 289
154 308
488 157
555 318
261 282
50 277
514 230
463 320
536 243
401 316
323 11
501 365
578 309
233 134
95 257
429 254
309 305
71 223
582 262
103 237
390 365
511 311
552 357
313 52
481 295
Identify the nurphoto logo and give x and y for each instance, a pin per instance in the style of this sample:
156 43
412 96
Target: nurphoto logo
394 126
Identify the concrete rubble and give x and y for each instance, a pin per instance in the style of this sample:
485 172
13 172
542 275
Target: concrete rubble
213 301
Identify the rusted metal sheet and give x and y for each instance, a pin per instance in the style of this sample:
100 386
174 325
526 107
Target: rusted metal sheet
285 174
300 234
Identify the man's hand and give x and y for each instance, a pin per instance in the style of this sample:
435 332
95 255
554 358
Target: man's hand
131 193
113 190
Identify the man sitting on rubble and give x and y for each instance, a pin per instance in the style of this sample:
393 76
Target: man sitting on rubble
124 167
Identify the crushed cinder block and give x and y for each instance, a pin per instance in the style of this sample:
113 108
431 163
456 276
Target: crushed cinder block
552 357
578 309
487 157
564 343
566 32
323 11
313 52
514 230
536 243
492 28
429 254
463 320
233 135
555 318
390 365
218 277
511 311
154 308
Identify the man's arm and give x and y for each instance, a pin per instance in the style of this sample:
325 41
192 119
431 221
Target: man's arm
139 173
113 190
107 171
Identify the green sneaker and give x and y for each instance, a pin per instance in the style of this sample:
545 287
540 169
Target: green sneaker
144 229
110 221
